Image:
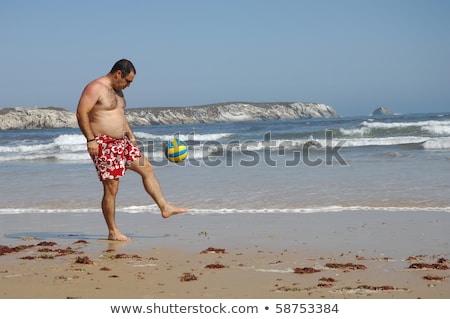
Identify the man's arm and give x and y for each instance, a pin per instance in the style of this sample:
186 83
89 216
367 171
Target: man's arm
129 132
88 99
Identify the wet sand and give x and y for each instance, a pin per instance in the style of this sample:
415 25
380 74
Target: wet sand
282 256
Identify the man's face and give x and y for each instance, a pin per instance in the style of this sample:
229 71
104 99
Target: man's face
123 82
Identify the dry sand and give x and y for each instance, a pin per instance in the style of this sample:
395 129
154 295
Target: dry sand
258 260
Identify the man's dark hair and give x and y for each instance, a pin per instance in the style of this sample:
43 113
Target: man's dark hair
125 66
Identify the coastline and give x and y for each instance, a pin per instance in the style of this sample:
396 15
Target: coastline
19 118
282 256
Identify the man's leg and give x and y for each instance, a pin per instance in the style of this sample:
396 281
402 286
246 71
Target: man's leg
110 189
143 167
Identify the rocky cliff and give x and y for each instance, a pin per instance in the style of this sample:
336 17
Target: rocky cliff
229 112
51 117
382 111
36 118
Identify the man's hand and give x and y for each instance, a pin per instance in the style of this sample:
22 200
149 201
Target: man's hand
92 147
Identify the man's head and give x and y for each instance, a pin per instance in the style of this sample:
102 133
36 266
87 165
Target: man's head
123 72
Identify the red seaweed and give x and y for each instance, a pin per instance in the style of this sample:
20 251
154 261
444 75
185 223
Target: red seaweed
346 266
122 256
367 287
213 250
81 241
428 266
215 266
188 277
324 285
434 278
47 243
329 279
8 250
84 260
305 270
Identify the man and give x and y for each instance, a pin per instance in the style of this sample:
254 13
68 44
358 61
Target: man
112 144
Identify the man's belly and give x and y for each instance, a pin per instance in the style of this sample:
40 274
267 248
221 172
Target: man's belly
109 128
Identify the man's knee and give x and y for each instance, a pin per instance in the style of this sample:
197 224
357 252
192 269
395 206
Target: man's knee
142 167
111 186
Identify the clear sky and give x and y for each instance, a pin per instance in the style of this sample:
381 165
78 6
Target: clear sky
354 55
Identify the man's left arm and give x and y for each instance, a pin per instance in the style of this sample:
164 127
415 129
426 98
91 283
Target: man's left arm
129 132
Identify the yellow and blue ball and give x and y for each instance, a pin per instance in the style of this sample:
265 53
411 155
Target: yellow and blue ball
176 150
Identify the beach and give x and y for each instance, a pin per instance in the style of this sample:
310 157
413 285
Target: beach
332 255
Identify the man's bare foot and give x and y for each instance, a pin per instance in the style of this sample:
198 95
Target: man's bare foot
118 236
172 210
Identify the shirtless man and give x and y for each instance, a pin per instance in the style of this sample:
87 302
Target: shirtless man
112 144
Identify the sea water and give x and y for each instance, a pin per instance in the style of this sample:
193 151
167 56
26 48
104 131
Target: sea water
390 163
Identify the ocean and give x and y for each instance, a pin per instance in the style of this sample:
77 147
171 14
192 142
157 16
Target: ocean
364 163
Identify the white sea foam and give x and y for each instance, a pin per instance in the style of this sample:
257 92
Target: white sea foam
70 139
153 209
65 147
437 144
361 131
184 137
26 148
388 125
355 142
439 128
16 211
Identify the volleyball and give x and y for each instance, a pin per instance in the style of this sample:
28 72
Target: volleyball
176 150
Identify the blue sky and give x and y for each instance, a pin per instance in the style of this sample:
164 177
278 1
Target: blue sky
352 55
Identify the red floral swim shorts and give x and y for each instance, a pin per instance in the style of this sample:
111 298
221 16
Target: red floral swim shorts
114 155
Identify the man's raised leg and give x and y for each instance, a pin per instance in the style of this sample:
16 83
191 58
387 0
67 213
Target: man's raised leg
143 167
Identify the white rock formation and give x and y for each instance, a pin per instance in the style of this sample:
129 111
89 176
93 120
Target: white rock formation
52 117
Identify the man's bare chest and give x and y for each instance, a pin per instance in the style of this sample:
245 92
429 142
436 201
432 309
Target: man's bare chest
113 100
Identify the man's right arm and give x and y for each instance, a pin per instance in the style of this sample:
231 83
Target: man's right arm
88 99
